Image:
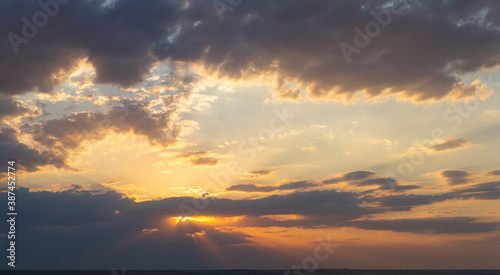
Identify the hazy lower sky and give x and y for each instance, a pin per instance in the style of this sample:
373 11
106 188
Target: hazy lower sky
252 134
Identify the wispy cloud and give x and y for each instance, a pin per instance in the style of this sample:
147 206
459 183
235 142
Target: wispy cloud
449 144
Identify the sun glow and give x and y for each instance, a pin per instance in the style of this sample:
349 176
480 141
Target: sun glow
194 219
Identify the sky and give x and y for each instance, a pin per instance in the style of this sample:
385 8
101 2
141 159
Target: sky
252 134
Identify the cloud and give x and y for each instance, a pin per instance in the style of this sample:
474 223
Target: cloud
27 158
384 184
122 56
122 230
357 175
251 188
309 147
254 174
122 238
81 207
204 161
405 202
362 178
480 191
10 108
494 173
132 117
454 177
250 42
449 144
381 182
127 229
199 158
312 208
192 154
491 113
262 30
156 121
294 185
355 178
440 225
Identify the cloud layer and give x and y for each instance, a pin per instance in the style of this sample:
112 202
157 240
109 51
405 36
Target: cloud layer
257 38
113 230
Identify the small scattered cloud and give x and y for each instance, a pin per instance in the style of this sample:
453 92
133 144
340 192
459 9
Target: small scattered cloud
294 185
202 158
405 202
207 161
254 174
355 178
491 113
357 175
494 173
387 143
454 177
449 144
480 191
309 147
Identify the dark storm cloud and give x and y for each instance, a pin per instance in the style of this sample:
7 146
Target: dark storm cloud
452 143
419 53
442 225
454 177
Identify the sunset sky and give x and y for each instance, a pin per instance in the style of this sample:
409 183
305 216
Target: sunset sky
243 134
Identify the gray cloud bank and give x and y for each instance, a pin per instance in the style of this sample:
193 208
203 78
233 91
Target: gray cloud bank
103 230
419 52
